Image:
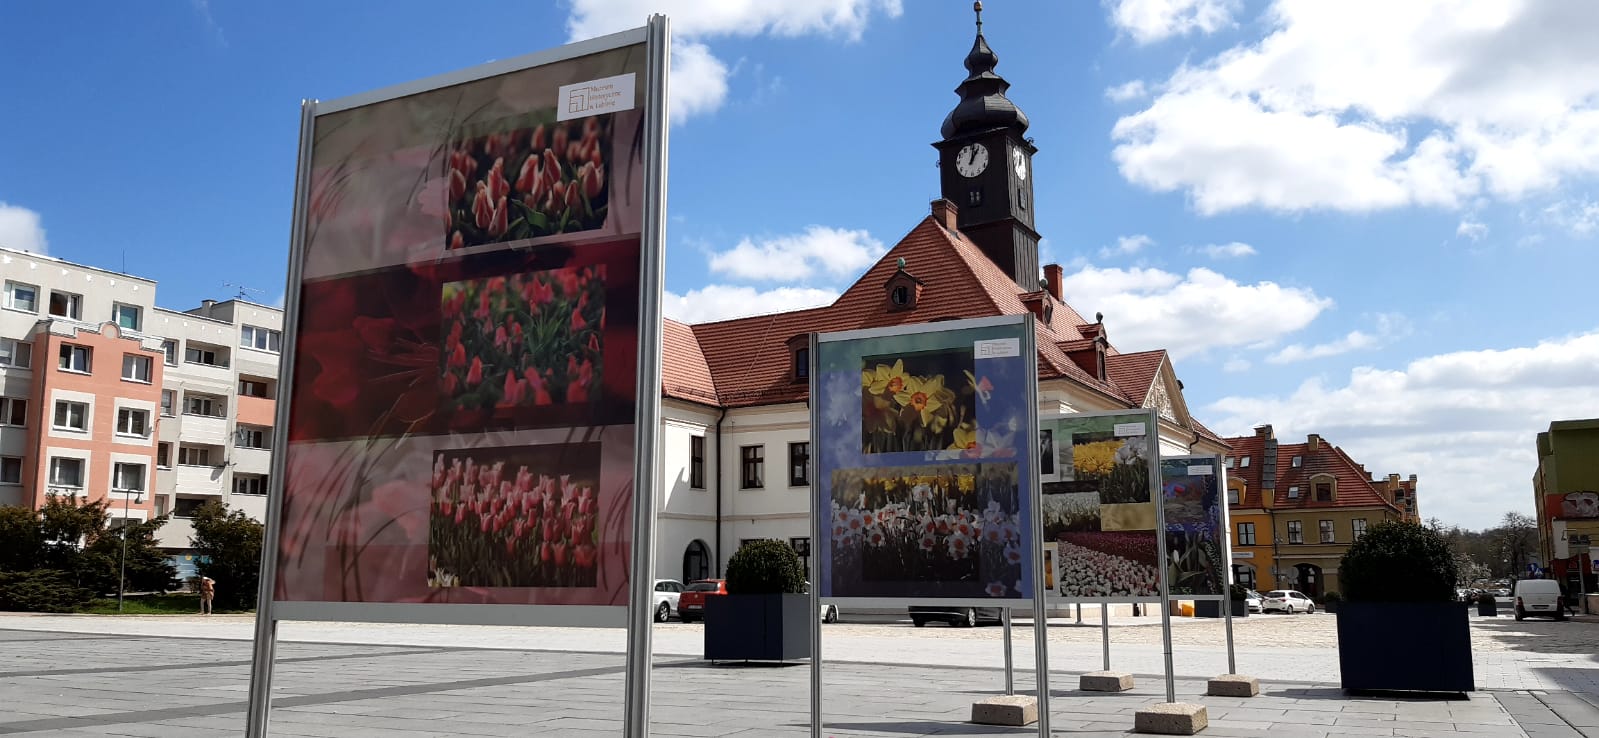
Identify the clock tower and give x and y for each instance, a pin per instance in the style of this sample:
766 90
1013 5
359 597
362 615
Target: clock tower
986 166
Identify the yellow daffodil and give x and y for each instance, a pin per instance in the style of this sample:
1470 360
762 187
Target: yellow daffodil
919 395
965 437
889 379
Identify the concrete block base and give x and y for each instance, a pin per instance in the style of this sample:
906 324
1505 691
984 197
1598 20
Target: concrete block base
1171 718
1013 709
1233 685
1105 681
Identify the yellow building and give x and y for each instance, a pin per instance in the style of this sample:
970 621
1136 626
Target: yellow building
1295 508
1566 493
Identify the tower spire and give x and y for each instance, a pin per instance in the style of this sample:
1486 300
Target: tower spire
983 104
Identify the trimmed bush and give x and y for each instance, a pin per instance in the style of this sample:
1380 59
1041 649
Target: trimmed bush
765 567
41 590
1398 562
1239 591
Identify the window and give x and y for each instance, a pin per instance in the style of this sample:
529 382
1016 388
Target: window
131 422
126 316
1231 462
10 470
66 473
1244 463
249 484
127 478
252 388
1296 532
1293 493
251 436
752 467
203 405
1246 534
168 399
14 353
201 356
696 462
1232 497
191 456
1359 526
136 368
13 411
170 350
259 338
72 415
802 364
76 358
21 296
1326 531
1324 492
1244 576
184 507
163 456
1299 461
799 464
66 305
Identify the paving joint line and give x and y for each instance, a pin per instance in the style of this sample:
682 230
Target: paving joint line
219 664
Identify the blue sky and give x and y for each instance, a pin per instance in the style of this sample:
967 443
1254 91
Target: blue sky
1383 231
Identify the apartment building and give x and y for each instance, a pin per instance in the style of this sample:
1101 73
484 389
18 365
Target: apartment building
106 396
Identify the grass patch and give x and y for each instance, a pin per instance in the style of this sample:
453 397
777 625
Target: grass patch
176 603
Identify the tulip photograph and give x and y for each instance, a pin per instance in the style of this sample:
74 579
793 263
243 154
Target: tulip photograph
528 177
954 525
1069 512
923 401
1115 565
523 340
521 516
1118 467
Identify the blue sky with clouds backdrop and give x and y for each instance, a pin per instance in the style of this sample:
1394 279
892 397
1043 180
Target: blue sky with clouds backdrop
1377 221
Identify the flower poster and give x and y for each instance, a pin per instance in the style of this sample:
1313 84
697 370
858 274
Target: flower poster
1098 509
924 479
1196 531
467 335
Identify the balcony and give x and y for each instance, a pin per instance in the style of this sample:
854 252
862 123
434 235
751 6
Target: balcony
256 410
199 480
252 460
210 430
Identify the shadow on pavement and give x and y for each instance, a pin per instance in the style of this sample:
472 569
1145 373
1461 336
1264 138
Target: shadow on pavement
1337 693
923 728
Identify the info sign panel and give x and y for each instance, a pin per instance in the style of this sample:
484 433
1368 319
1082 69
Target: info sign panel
1193 491
923 472
1100 481
469 316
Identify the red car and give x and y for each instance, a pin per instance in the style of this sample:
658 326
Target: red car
691 604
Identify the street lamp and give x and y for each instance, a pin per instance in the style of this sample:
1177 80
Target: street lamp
122 574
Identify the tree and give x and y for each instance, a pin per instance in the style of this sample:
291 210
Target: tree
56 557
227 546
147 567
1517 541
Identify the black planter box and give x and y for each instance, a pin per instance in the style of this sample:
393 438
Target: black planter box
1212 609
1488 609
1404 646
770 627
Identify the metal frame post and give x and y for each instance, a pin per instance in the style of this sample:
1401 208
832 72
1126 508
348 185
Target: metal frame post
647 430
1036 509
1010 669
1158 496
1104 628
817 520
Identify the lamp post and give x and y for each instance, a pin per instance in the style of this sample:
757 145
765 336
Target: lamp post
122 573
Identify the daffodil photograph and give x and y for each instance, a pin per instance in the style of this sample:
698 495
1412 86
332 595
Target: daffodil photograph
925 401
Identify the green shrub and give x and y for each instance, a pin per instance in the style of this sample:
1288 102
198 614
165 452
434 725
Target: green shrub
227 545
1330 598
1399 562
41 590
765 567
1239 591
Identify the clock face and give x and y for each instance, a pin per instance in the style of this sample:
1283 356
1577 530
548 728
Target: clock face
1020 161
971 160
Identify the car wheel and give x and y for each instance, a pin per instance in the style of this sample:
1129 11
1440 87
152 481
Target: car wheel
663 613
919 622
1290 609
1311 610
969 618
831 616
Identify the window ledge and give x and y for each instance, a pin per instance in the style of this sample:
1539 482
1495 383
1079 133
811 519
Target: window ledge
10 484
76 371
126 378
132 436
16 368
69 429
21 310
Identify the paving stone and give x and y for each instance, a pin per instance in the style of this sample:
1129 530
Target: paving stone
1016 709
1171 718
1105 681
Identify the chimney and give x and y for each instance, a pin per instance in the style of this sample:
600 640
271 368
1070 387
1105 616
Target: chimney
1264 431
1053 275
205 307
945 212
1313 441
1268 465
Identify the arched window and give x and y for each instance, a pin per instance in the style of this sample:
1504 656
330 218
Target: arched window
1308 579
696 561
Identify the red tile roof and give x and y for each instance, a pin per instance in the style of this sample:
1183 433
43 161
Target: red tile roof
1135 373
684 373
1354 487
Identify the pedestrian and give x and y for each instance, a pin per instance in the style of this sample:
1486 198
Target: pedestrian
208 592
1567 602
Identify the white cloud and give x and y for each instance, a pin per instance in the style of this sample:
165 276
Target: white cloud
1126 245
1233 250
699 79
20 229
1581 219
719 302
1189 314
1464 422
1148 21
798 257
1360 106
1233 366
1471 229
1126 91
1389 326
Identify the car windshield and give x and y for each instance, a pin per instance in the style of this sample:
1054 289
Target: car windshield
1276 593
702 587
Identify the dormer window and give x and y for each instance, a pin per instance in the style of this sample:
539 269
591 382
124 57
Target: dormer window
1299 461
900 296
799 354
902 289
1293 493
1244 463
802 364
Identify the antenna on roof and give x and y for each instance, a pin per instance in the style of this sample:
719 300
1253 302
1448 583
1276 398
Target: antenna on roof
243 290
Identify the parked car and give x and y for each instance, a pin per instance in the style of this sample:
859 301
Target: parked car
667 594
1500 592
964 617
1286 600
691 605
829 613
1539 597
1252 601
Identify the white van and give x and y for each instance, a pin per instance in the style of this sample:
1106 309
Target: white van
1539 597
